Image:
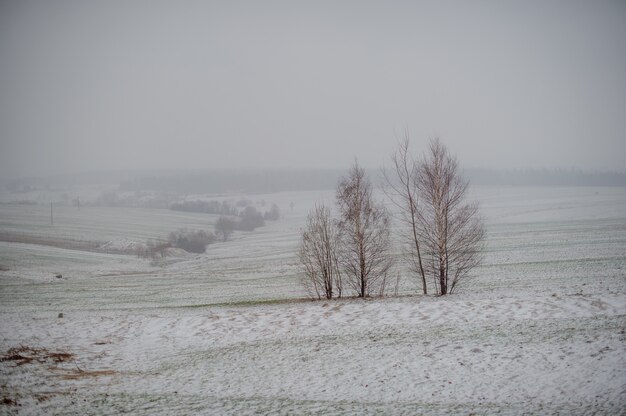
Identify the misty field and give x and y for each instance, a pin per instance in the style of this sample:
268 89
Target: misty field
539 329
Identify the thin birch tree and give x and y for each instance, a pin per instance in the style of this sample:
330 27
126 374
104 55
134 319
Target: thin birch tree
450 230
318 255
403 191
364 227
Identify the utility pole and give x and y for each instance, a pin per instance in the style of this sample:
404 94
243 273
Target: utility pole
51 217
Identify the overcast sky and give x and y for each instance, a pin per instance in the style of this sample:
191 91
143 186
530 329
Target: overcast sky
92 85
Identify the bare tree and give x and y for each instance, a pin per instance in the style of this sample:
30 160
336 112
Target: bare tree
318 255
224 227
449 229
364 227
402 189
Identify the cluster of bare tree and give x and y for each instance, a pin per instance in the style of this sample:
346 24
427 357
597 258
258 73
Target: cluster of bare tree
247 220
354 248
192 241
243 208
442 234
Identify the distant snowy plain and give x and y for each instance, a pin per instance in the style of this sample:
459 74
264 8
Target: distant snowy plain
539 329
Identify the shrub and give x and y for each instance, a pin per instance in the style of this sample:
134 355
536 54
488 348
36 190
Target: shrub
191 241
250 219
273 214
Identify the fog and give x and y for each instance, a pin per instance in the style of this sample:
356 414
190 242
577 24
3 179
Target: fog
88 85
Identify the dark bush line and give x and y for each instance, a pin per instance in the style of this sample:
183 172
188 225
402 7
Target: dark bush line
205 207
192 241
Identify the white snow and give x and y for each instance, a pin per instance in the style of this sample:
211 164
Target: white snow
540 330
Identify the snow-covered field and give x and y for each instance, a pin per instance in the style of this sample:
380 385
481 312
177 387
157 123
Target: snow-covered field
541 329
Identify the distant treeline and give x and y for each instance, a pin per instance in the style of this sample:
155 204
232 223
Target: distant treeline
305 180
278 180
250 181
544 177
206 207
250 217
